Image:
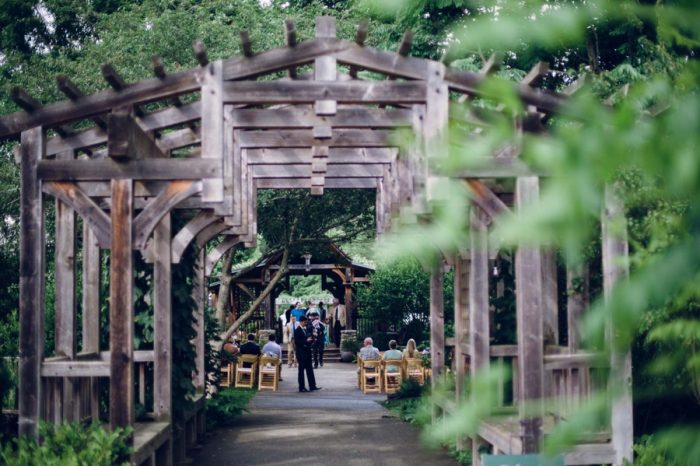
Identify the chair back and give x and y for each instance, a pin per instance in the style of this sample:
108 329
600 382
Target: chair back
248 358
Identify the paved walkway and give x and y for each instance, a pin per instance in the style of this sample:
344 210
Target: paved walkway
337 425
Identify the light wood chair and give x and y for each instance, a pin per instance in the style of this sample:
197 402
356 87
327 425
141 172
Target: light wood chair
372 376
245 376
227 371
268 375
414 370
359 371
392 380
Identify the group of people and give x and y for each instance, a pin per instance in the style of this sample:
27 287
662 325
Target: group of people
370 352
306 332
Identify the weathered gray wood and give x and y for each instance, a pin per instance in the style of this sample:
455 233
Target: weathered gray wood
487 200
435 138
200 294
528 280
71 91
615 251
91 213
246 45
333 171
187 234
217 253
325 65
162 324
461 326
91 307
331 183
105 169
290 35
65 306
304 138
550 302
200 53
126 140
148 218
306 92
30 105
211 232
577 289
121 307
31 284
479 318
212 129
301 117
336 155
68 368
437 323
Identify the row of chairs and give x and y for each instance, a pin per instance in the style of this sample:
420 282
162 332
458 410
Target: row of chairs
249 369
377 376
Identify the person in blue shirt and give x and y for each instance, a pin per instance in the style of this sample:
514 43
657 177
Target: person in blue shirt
298 311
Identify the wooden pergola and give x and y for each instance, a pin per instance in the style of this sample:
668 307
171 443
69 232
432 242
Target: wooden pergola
219 134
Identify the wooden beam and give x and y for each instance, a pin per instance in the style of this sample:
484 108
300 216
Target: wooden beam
406 44
290 35
188 233
550 297
126 139
30 105
91 307
332 171
437 326
479 314
217 253
487 200
246 45
615 251
31 285
290 118
360 37
528 281
200 53
91 213
200 296
162 324
213 131
150 169
577 290
325 65
121 307
331 183
307 92
336 155
146 221
70 90
461 326
304 138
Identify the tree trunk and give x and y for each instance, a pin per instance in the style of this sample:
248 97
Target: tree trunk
281 273
224 288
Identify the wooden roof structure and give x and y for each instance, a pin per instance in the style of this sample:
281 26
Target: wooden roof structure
222 131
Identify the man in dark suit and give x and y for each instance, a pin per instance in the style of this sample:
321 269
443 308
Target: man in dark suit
303 341
250 347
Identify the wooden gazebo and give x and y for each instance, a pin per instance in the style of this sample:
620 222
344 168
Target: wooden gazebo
219 134
337 272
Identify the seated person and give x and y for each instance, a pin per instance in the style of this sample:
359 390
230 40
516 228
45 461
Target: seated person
411 352
271 348
393 354
368 351
250 347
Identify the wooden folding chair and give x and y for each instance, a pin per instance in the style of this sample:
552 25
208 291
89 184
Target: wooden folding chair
414 370
227 371
359 371
268 373
245 376
392 380
371 376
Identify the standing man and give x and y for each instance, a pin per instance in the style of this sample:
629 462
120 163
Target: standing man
318 330
304 340
339 320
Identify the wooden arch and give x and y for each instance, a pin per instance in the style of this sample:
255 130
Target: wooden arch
125 174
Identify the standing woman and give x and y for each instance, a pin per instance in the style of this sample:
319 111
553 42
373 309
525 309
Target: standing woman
288 338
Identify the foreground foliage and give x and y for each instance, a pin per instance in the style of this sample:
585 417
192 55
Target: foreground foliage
69 445
224 407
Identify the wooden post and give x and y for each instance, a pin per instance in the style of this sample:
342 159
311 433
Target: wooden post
616 268
528 279
550 290
91 309
479 322
213 129
435 128
577 285
121 307
162 324
461 310
200 291
349 304
65 322
31 283
437 323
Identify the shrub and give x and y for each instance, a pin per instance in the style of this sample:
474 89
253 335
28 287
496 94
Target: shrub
226 406
650 453
351 346
69 444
